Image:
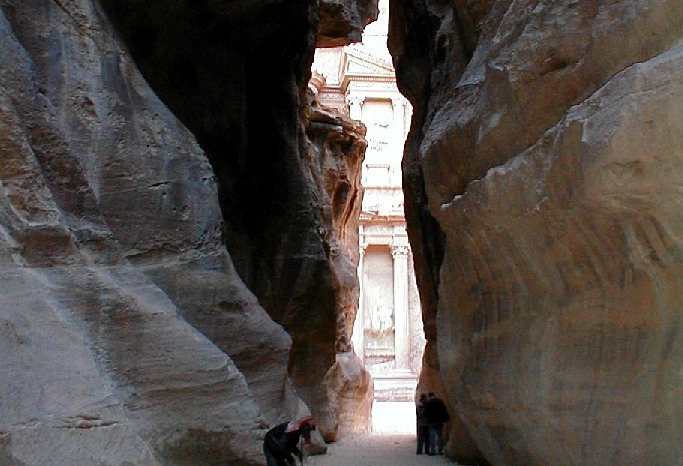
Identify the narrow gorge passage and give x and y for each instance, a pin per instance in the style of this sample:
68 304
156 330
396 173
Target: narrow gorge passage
193 251
376 450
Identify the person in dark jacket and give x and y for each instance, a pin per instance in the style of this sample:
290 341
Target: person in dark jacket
437 415
422 425
281 442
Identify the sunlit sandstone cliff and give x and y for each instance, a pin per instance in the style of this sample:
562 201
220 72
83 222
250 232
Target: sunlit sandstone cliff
543 194
127 334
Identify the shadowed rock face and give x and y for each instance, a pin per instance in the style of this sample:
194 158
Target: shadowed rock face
128 336
342 21
541 181
236 75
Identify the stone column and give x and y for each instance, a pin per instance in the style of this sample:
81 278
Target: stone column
398 104
358 337
399 107
401 330
355 103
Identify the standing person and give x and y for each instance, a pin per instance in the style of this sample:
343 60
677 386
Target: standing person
437 415
280 443
422 425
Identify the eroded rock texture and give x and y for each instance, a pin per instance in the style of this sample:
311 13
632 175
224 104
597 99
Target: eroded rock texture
542 183
128 336
237 75
335 155
342 21
101 184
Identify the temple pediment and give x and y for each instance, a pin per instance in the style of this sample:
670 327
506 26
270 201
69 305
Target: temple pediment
361 62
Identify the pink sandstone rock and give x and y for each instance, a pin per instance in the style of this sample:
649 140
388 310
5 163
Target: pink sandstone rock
540 186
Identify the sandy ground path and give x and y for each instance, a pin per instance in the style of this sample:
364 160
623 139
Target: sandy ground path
376 450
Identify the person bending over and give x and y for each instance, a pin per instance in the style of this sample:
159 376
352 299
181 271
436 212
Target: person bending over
281 442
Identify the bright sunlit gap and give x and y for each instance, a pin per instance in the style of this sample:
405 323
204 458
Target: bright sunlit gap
359 81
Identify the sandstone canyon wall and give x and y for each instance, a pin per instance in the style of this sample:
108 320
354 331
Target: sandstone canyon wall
129 333
542 178
236 75
336 151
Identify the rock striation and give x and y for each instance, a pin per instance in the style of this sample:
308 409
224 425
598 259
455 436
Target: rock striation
178 249
541 182
171 271
101 184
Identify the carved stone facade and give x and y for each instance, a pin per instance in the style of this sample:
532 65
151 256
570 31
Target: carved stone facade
358 80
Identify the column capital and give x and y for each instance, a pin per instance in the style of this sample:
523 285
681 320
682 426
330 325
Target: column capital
399 250
399 101
355 103
355 99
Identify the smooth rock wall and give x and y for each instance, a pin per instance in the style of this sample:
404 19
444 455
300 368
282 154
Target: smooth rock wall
541 180
566 349
111 230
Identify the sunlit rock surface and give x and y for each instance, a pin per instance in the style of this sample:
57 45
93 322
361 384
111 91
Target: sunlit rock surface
103 193
542 185
335 155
